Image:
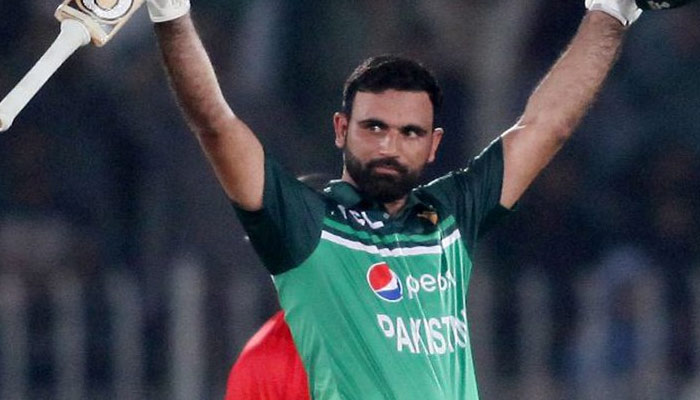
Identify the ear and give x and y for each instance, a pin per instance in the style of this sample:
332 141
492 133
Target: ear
340 126
436 139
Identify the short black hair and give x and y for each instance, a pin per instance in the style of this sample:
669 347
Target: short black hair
377 74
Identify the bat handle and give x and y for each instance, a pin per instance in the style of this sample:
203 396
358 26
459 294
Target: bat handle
73 36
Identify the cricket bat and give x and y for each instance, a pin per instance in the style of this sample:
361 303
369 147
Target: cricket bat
82 21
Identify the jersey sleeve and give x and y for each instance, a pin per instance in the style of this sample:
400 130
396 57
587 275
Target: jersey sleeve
473 194
288 227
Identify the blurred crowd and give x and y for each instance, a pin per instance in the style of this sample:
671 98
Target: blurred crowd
100 173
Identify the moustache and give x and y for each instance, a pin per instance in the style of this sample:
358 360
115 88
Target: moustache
387 163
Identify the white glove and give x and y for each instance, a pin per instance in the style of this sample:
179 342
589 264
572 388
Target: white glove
166 10
626 11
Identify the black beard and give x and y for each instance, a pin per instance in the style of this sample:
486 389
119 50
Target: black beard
381 187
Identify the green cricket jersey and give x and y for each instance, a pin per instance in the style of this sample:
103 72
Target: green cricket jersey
377 304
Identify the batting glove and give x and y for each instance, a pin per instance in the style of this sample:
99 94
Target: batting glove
626 11
167 10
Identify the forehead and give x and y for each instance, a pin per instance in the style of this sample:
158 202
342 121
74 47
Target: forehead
395 107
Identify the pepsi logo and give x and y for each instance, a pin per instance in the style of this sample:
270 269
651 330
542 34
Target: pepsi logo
384 282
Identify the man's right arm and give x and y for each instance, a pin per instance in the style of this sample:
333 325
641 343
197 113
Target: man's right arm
231 147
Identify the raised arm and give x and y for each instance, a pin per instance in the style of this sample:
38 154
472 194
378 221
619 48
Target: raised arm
557 105
231 147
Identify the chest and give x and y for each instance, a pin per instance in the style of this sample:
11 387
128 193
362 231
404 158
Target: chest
414 262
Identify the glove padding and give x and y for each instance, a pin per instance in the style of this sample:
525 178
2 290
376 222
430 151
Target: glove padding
167 10
626 11
661 4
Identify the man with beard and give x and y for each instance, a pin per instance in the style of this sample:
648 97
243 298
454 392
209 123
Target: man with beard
372 272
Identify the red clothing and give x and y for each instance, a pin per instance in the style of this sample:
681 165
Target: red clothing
269 367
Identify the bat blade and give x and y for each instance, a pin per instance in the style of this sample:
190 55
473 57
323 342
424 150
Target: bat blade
73 35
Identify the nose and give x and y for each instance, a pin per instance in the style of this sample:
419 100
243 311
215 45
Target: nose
389 142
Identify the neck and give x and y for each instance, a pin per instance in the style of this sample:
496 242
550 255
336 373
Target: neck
392 207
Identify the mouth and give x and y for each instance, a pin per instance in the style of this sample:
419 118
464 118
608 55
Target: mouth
386 170
386 167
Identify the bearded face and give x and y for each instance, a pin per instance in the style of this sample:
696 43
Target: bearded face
387 142
384 180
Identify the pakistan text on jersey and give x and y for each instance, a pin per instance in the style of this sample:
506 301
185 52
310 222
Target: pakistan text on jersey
433 335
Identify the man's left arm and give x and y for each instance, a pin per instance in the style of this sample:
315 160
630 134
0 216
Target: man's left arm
557 105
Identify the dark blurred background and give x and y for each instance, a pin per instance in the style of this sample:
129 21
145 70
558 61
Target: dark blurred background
124 273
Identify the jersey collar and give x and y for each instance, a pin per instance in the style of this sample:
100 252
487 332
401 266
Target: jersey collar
348 196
